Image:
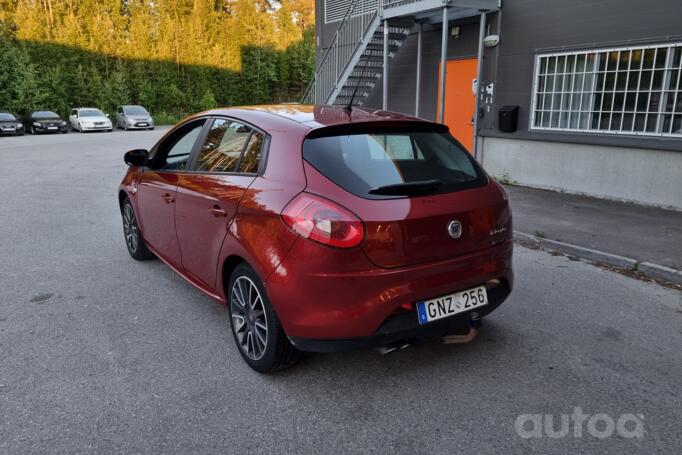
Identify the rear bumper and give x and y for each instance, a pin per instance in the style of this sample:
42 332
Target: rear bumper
404 328
329 299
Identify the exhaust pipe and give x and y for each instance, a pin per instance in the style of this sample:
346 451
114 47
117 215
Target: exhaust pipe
391 348
474 325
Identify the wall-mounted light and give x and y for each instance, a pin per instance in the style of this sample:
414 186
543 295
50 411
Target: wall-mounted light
455 32
491 40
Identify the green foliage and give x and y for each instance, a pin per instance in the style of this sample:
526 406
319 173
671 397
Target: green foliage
164 118
173 57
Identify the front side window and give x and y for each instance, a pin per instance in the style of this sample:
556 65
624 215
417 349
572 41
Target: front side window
223 147
377 165
174 153
634 90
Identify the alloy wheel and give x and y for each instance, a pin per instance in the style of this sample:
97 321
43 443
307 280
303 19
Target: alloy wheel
130 229
249 320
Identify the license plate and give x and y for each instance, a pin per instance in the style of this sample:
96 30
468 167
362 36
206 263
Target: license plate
51 127
142 124
449 305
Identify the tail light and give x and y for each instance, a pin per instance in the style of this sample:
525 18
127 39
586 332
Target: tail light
323 221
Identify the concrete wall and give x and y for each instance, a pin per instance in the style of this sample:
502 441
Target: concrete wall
652 177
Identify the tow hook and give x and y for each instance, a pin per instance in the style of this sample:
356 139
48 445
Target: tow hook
474 325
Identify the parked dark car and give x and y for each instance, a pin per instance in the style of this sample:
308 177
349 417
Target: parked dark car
46 122
10 125
322 229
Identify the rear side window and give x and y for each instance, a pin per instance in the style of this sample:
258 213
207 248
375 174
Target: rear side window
230 147
251 159
363 163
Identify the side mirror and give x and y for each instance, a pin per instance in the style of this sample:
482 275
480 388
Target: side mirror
107 115
137 157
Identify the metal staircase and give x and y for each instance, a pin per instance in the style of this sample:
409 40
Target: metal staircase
354 58
361 47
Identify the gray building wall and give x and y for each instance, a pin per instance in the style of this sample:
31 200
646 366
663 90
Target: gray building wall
538 26
612 166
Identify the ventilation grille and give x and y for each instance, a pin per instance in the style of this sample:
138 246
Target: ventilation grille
334 10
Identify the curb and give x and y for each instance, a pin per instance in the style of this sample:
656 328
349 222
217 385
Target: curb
647 268
660 271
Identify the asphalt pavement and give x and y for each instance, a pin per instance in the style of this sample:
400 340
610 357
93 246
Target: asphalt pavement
102 354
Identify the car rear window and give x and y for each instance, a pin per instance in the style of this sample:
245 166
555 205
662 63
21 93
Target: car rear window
360 163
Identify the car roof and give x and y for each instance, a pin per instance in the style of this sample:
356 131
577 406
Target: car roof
315 116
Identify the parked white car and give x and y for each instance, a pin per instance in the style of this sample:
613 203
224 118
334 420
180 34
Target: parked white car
132 117
89 119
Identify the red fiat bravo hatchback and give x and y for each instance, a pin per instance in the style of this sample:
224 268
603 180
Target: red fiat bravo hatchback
322 228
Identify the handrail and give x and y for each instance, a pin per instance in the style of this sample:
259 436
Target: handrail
347 37
344 47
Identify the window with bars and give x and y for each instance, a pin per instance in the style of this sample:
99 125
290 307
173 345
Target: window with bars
630 90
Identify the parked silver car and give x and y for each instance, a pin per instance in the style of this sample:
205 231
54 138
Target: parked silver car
89 119
131 117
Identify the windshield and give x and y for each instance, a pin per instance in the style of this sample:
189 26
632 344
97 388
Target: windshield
368 165
135 110
5 116
90 113
45 114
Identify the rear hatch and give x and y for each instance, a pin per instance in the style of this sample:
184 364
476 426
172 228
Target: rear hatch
420 194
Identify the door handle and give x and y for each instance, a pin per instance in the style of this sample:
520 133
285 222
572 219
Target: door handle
168 198
217 211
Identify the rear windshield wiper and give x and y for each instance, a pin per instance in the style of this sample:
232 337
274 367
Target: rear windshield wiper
408 188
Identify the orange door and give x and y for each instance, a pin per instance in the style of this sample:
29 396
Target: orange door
460 101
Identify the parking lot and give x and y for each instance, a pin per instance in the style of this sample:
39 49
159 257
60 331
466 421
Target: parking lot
100 353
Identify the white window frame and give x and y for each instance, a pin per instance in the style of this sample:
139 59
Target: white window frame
668 87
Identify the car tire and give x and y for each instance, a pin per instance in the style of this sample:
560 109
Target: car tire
131 233
253 318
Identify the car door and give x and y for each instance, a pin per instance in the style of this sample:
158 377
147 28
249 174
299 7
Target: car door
225 164
73 118
157 189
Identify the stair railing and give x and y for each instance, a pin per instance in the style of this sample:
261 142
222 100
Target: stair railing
349 35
